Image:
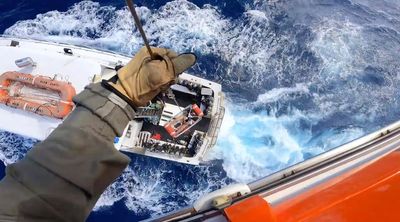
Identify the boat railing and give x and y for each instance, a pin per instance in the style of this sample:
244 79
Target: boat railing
217 121
64 44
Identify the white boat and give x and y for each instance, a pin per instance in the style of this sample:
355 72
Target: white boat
159 131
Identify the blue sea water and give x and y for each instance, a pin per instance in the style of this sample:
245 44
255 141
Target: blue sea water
301 77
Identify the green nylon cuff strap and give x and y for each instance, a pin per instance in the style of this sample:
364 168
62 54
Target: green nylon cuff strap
111 108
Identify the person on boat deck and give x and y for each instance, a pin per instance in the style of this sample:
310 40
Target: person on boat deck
61 178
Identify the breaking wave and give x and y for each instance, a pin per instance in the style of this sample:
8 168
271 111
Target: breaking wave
297 85
13 147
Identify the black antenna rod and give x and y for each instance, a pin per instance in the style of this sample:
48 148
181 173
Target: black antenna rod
139 27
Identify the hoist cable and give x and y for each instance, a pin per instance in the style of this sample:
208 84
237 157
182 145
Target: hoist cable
139 27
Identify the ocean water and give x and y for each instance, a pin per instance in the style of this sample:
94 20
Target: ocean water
301 77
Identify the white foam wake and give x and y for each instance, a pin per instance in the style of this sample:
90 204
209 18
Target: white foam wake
254 145
158 190
356 71
179 24
13 147
277 94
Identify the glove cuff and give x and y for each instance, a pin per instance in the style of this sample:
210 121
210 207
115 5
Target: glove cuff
110 107
109 85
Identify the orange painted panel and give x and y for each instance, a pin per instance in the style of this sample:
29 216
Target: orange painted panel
252 209
369 194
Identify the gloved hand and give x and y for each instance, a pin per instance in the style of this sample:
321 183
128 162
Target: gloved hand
142 79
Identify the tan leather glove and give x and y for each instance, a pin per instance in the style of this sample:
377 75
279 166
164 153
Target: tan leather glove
142 79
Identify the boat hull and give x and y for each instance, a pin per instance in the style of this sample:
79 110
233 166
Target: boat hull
80 66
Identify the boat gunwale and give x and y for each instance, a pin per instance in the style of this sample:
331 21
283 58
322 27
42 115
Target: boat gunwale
76 46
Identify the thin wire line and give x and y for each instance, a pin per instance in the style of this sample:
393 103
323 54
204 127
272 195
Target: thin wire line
139 27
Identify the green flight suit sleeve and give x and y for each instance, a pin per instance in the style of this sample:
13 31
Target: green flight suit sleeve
61 178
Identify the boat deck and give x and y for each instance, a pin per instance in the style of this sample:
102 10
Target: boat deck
51 60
